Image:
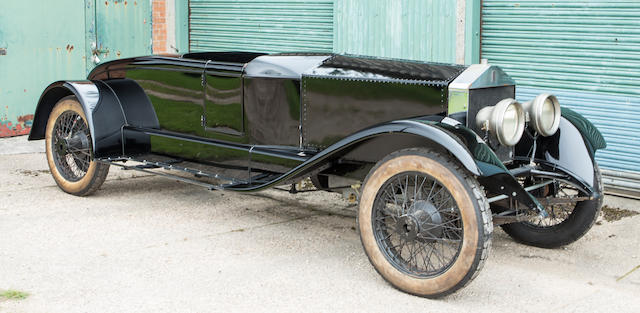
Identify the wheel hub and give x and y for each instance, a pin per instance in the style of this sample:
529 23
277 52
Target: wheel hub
61 147
79 141
423 221
408 227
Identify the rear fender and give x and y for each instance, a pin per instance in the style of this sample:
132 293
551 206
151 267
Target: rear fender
108 106
85 91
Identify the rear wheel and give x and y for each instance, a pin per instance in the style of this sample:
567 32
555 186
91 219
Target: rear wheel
70 152
566 223
424 223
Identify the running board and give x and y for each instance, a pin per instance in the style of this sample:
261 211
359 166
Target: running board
176 177
147 166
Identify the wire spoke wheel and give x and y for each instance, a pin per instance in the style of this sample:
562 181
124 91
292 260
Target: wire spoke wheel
417 224
70 150
571 215
424 222
73 161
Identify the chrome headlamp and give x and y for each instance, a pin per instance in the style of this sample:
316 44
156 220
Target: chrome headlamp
544 114
504 120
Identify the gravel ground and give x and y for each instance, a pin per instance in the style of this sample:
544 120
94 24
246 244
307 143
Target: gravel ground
149 244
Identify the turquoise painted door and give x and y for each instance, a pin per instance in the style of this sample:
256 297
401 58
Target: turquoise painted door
117 29
40 42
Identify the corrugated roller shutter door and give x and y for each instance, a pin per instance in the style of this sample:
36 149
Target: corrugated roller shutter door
261 25
585 52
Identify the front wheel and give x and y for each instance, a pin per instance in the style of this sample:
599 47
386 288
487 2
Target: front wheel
424 222
70 152
566 223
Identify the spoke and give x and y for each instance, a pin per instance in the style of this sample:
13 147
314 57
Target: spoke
385 208
387 228
404 200
422 184
432 248
402 244
457 233
83 152
406 187
381 218
431 190
439 255
441 188
449 200
426 257
435 226
68 121
411 254
393 192
388 196
75 120
440 239
415 188
414 256
395 246
63 124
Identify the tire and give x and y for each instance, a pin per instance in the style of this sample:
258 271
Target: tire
462 222
567 230
70 152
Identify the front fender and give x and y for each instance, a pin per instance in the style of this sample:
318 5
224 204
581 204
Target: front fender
591 135
570 150
422 128
493 175
469 149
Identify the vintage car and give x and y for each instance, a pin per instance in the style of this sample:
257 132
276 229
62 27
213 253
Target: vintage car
437 153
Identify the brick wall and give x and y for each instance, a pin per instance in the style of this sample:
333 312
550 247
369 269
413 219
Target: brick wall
160 26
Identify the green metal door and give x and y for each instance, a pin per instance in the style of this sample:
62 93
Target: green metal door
117 29
407 29
44 41
261 25
585 52
40 42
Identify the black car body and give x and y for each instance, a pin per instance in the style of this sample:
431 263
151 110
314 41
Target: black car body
250 121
